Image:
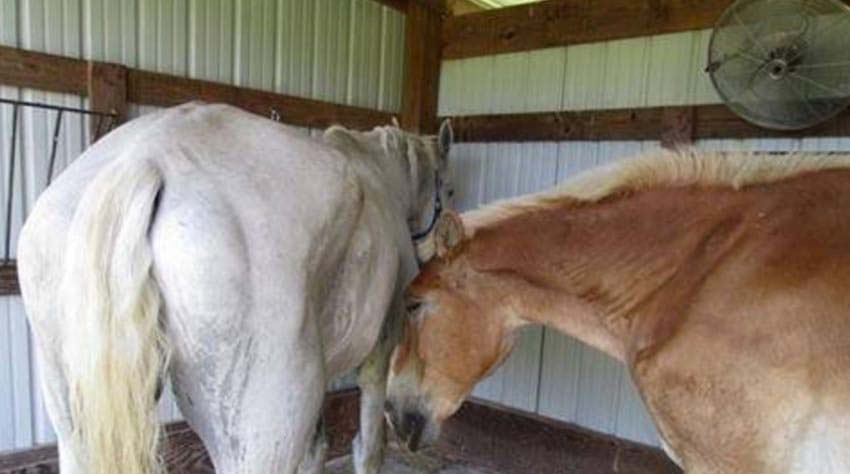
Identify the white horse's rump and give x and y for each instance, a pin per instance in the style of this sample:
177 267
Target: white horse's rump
263 261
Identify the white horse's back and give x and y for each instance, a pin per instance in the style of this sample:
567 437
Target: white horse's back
238 229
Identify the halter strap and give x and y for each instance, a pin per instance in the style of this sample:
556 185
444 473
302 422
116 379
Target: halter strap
435 216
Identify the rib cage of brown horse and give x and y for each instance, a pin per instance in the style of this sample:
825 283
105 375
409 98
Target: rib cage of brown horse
719 279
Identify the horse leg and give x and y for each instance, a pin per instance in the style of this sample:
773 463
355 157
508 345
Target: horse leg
368 446
54 391
256 399
314 459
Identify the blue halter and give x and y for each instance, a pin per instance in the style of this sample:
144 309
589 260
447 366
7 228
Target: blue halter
435 216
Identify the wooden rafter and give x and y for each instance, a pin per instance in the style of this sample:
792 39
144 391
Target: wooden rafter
61 74
48 72
150 88
400 5
568 22
9 279
462 7
675 124
403 5
422 66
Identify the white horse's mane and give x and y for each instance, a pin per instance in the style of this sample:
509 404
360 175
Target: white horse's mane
381 136
339 137
662 168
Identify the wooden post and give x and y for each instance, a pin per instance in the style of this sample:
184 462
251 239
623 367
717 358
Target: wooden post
423 27
677 127
552 23
107 84
9 279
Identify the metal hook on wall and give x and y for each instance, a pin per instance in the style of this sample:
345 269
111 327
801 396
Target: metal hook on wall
10 190
274 114
54 145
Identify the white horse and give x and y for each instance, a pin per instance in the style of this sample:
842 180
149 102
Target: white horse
249 263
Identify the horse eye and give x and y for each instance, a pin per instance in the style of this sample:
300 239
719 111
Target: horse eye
413 306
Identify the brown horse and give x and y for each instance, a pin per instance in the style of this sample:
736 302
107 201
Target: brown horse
722 281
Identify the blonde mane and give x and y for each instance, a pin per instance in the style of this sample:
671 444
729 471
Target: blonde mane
661 168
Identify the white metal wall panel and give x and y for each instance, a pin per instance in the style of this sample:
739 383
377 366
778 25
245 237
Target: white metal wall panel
507 173
330 79
211 40
392 60
347 51
508 170
636 72
255 43
23 420
626 70
576 383
19 431
703 90
363 43
584 76
294 51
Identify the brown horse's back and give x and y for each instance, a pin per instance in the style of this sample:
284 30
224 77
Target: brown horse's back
753 337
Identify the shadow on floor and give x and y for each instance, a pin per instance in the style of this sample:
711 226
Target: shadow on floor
397 462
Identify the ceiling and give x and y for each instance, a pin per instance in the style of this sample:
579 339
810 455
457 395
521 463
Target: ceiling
500 3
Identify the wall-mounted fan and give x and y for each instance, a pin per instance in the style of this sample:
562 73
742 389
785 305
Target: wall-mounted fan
783 64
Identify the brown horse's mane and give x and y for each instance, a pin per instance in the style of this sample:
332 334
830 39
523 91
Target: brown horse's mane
658 169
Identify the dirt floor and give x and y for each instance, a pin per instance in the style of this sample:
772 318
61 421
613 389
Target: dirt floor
479 439
427 462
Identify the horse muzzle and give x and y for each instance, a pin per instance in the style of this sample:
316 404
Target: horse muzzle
408 424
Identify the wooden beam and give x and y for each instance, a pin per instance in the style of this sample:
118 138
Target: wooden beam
421 67
48 72
9 279
631 124
669 124
68 75
677 127
462 7
400 5
150 88
403 5
567 22
107 90
717 121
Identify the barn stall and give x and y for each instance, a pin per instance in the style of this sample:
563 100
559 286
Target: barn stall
537 93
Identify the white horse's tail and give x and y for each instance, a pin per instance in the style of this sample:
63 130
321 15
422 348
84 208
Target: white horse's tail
114 348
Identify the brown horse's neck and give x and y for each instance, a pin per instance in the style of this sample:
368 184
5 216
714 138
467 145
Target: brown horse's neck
609 273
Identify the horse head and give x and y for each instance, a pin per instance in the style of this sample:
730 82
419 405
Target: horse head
430 181
451 340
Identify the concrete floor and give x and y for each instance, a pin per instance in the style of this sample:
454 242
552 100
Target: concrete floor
426 462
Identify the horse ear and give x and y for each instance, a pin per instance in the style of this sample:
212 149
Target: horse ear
389 140
395 122
445 137
448 234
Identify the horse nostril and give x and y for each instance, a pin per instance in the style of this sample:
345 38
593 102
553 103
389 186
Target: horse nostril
388 407
412 425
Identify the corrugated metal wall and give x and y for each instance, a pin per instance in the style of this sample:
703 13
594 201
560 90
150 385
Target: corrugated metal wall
548 373
345 51
350 51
